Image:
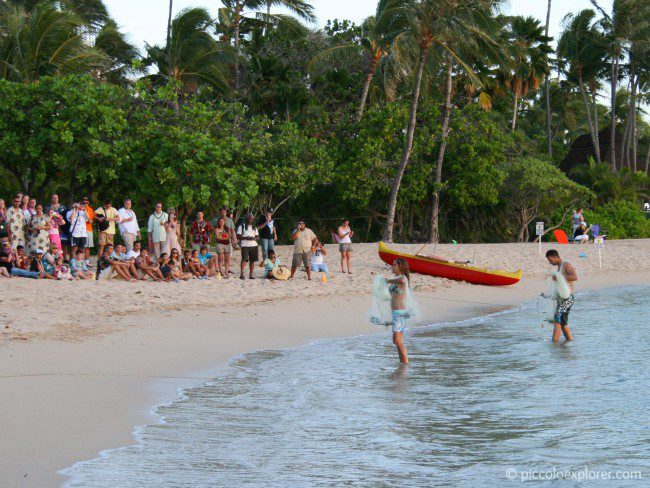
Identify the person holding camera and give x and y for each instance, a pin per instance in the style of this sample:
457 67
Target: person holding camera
106 217
268 232
78 218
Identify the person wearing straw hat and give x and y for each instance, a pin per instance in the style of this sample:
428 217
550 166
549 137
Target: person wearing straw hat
273 268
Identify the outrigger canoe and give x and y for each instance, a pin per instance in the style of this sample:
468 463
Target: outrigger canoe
451 271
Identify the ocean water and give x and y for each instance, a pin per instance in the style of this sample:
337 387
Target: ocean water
485 402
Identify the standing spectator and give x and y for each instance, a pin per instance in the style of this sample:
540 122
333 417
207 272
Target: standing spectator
90 239
4 231
64 230
128 225
345 234
224 248
156 230
576 219
303 240
200 232
318 253
230 223
78 218
173 231
268 232
56 225
247 234
30 209
106 217
39 231
17 223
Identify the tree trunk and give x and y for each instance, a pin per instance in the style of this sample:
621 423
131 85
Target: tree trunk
588 113
647 159
634 131
169 40
236 22
547 93
625 151
612 113
434 236
366 88
267 25
596 136
514 113
392 203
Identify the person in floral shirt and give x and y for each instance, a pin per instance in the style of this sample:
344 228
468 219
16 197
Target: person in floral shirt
39 231
200 232
16 222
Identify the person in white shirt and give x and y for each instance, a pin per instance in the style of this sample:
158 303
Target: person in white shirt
128 225
247 234
134 253
78 233
156 230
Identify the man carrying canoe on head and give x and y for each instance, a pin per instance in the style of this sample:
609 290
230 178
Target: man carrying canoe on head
564 305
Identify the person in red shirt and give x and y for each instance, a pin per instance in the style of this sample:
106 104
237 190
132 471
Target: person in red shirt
200 232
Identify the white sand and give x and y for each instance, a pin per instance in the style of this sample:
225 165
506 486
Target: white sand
82 363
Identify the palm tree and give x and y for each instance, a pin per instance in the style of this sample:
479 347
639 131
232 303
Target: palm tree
417 26
584 48
373 46
44 41
528 50
193 57
547 91
238 17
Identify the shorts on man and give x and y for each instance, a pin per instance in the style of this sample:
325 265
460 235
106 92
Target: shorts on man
105 238
298 258
250 254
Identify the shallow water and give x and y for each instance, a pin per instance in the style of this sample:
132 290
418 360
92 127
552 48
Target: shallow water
481 397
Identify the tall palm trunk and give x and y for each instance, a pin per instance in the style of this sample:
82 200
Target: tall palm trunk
590 125
397 181
595 104
547 93
612 112
514 113
434 235
236 22
625 151
169 39
366 87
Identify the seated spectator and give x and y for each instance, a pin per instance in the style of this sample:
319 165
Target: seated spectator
207 259
108 267
165 269
134 253
41 266
22 260
147 267
120 259
9 262
176 266
79 268
62 270
581 234
196 264
318 254
269 264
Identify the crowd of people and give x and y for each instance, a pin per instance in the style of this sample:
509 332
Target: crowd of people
56 242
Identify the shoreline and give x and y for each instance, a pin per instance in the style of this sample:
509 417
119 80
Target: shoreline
66 398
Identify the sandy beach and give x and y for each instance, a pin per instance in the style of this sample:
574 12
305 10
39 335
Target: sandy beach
84 362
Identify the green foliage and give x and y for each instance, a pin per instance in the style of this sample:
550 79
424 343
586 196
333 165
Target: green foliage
620 220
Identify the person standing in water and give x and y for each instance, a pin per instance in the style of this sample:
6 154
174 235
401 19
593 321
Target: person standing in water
398 288
563 305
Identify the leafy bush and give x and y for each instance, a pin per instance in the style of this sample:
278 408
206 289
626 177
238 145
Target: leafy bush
620 220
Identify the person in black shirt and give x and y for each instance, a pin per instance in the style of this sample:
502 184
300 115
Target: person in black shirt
268 232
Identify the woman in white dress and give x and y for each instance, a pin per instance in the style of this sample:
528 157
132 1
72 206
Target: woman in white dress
173 230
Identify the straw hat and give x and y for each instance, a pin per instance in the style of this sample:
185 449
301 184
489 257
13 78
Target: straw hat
281 273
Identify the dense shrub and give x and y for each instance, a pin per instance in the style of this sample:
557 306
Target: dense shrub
620 220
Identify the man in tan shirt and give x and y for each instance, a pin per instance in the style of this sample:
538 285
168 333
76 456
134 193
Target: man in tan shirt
303 239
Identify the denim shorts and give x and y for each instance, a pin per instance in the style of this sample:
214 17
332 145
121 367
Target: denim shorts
399 320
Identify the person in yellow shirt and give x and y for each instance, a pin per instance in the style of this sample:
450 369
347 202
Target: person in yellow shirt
106 217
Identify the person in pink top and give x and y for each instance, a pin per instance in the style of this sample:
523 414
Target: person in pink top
56 221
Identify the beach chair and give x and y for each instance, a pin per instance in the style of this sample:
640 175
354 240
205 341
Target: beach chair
560 236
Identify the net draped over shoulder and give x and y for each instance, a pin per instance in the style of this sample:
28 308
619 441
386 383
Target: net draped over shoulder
381 312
